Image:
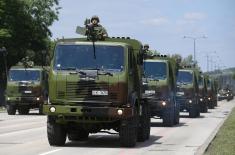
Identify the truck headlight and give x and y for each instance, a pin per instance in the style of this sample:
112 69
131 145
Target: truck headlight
37 98
8 99
120 111
164 103
190 101
201 99
52 109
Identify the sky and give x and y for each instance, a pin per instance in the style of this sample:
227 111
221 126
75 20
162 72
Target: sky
162 24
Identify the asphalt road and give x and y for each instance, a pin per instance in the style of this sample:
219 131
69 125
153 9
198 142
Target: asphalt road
26 135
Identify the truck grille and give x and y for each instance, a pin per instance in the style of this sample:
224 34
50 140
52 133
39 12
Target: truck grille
22 90
83 90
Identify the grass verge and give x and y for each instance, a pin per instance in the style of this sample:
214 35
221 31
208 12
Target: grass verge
224 142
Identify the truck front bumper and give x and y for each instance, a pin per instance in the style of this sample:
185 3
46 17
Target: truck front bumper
77 112
19 100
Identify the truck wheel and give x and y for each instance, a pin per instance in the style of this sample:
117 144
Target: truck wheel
81 135
128 131
193 111
41 109
11 110
56 133
169 116
198 110
144 124
204 108
177 114
211 105
23 110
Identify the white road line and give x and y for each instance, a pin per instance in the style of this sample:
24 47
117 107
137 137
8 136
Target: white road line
49 152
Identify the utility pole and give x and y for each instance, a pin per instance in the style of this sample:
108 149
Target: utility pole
194 45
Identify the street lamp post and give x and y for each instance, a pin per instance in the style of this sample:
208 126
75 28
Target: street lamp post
194 44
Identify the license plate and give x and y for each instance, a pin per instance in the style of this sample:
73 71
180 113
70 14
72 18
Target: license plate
150 92
99 92
27 92
180 93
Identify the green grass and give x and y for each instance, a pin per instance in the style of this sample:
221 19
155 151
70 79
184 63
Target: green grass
224 142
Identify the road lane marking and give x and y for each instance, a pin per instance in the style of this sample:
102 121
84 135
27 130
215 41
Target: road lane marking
49 152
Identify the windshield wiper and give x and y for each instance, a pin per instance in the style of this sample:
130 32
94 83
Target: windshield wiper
74 69
102 72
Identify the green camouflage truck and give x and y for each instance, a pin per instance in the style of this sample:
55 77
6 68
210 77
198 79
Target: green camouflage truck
96 86
211 93
159 85
26 89
203 94
187 91
215 92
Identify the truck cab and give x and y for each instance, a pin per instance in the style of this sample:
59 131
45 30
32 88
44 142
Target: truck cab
96 86
187 91
26 89
159 85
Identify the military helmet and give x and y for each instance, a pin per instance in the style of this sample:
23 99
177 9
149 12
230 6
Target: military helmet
146 45
95 18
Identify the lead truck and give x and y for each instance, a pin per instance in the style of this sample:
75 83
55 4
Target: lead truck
95 85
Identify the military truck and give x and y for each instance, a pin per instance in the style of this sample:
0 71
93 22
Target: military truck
159 84
187 91
26 89
215 91
210 93
96 85
203 94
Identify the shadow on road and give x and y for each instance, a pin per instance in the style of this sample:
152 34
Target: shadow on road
187 116
160 124
109 141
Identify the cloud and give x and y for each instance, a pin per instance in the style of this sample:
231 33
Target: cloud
155 21
194 16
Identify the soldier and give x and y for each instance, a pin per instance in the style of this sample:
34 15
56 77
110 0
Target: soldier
147 51
99 30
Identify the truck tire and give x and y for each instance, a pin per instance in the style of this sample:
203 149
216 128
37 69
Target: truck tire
144 124
177 114
211 105
56 133
198 110
40 109
193 111
11 110
80 135
128 131
23 110
169 116
204 108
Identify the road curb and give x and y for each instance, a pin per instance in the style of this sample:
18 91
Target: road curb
204 146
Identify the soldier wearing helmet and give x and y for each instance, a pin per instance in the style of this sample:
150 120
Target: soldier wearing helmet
99 30
147 51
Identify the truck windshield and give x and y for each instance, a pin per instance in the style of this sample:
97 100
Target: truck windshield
156 70
82 57
184 77
24 75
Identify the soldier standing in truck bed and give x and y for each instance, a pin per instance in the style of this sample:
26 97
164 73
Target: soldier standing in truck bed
98 28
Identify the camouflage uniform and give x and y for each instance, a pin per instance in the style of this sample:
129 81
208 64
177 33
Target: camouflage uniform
98 29
147 51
